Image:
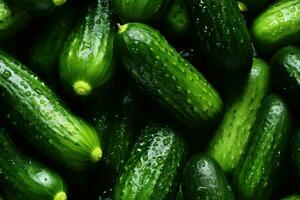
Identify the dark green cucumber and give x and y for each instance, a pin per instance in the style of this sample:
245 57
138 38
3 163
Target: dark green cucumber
12 19
295 151
44 121
292 197
87 60
258 168
169 79
277 26
139 10
203 178
39 7
286 73
233 133
151 170
47 46
223 37
24 178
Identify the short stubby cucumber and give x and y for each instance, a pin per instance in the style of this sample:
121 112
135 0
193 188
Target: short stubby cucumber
151 171
86 62
167 77
233 133
256 173
39 7
24 178
277 26
31 107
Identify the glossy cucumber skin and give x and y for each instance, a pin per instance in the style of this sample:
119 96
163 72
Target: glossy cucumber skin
86 62
256 172
139 10
292 197
277 26
286 73
223 38
167 77
151 170
24 178
295 149
31 107
232 135
203 178
39 7
47 46
12 19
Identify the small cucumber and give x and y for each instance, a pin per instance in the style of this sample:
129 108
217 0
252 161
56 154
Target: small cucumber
223 38
31 107
86 62
277 26
204 179
24 178
258 167
167 77
286 73
233 133
151 170
39 7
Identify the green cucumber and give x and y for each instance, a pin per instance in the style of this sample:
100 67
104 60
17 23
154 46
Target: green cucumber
233 133
286 73
151 170
139 10
167 77
44 121
295 146
223 38
12 19
258 168
203 178
292 197
277 26
86 62
47 46
39 7
24 178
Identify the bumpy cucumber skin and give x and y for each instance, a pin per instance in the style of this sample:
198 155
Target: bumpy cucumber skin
139 10
223 38
151 170
23 178
203 178
88 53
170 79
292 197
286 73
43 120
254 176
12 19
277 26
47 46
233 133
39 7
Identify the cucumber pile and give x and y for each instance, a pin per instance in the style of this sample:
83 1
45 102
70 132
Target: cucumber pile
149 100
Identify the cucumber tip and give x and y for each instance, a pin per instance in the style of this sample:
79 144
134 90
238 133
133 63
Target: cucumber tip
96 154
59 2
122 28
60 196
82 88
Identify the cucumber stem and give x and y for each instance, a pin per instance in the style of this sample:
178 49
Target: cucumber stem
59 2
82 88
60 196
122 28
96 154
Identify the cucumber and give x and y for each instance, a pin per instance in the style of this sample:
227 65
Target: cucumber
204 179
223 38
258 168
286 73
167 77
151 170
295 152
47 46
39 7
86 62
12 19
31 107
292 197
277 26
232 135
139 10
24 178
